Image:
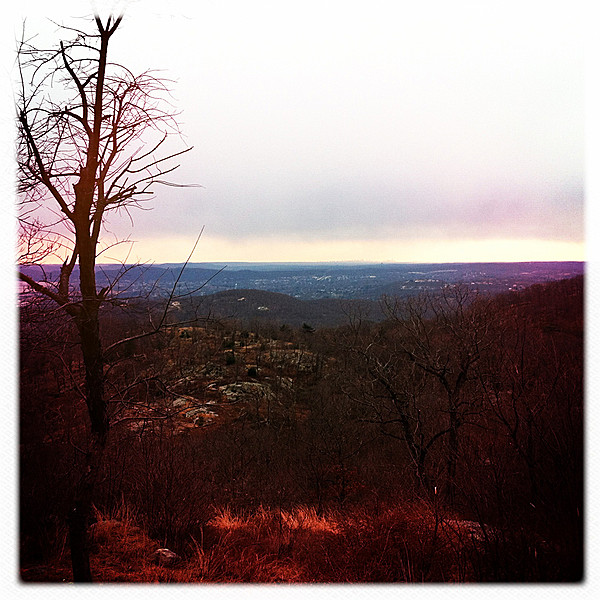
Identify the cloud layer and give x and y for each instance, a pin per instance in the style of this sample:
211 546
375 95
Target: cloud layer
334 121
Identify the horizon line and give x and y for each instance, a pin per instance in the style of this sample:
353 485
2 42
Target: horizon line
319 262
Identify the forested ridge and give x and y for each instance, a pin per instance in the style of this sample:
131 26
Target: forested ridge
443 442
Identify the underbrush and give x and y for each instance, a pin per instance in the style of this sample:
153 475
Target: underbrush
411 542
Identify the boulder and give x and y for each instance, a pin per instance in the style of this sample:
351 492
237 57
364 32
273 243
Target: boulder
164 557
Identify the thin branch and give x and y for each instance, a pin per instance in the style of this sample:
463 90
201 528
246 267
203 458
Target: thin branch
161 323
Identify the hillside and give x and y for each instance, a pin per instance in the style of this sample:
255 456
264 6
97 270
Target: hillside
261 454
250 305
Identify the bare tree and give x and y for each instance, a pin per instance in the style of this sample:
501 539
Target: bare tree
445 336
81 124
417 369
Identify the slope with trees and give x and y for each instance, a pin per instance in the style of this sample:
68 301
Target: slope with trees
325 455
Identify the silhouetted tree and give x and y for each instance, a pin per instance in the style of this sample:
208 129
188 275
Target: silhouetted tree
81 119
413 371
444 336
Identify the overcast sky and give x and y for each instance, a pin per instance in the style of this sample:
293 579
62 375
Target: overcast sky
372 130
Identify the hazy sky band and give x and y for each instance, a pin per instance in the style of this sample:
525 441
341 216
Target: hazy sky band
389 124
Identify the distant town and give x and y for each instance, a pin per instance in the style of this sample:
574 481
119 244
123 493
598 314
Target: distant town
310 281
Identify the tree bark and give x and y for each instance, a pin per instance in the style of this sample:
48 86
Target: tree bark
452 455
89 332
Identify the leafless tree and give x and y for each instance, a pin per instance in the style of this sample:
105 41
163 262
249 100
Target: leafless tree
83 126
444 336
417 367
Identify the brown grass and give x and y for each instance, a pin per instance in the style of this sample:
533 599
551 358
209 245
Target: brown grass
404 543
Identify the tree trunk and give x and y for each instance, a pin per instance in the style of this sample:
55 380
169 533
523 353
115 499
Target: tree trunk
79 517
452 454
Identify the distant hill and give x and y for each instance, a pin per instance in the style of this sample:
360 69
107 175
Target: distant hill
272 307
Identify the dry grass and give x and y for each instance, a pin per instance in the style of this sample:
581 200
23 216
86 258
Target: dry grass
403 543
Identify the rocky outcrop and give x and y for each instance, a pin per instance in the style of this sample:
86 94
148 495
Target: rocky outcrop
245 390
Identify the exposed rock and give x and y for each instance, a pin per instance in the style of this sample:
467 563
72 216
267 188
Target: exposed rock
200 416
165 557
286 382
195 412
244 390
